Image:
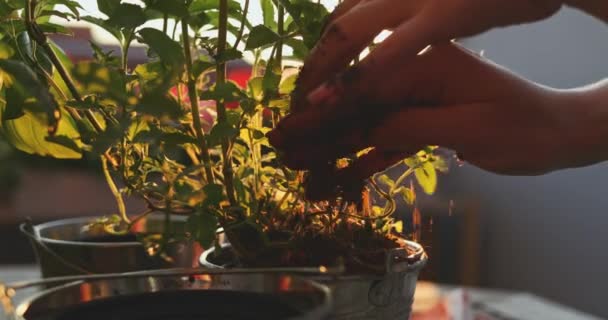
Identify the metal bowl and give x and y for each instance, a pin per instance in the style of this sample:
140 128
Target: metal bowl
238 294
68 247
365 296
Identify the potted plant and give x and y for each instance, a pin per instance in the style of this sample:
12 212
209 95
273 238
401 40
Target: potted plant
150 128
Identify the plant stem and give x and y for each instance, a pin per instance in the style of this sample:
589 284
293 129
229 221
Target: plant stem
139 217
239 37
165 22
221 108
196 119
40 38
125 52
115 192
281 32
400 180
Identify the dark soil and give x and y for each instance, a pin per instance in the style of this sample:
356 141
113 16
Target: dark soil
359 249
181 305
110 238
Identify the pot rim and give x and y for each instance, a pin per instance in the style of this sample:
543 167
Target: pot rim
26 304
419 254
35 232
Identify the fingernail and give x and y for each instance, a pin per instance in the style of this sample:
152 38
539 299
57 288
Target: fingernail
275 137
320 94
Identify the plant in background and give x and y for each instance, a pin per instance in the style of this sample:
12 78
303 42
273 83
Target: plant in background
145 125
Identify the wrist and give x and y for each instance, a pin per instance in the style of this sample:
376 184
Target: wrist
583 114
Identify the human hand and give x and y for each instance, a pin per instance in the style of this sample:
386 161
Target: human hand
445 96
416 24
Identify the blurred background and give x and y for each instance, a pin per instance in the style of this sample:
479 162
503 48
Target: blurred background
545 235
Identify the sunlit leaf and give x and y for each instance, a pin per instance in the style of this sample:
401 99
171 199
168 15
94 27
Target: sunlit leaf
29 135
288 84
268 13
426 175
30 93
409 195
95 78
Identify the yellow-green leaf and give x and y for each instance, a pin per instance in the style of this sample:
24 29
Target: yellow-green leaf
426 175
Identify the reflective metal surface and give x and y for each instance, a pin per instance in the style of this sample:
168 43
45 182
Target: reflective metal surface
367 297
68 247
179 294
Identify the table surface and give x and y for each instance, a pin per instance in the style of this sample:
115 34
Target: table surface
466 303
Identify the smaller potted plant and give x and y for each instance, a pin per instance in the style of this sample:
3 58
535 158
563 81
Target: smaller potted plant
146 126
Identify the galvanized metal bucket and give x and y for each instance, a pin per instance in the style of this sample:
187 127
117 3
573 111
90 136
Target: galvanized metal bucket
176 294
369 297
68 247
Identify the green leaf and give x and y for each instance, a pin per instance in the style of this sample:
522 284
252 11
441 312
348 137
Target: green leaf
55 13
229 54
16 4
106 58
268 13
6 51
214 194
384 179
200 66
33 95
256 89
128 16
426 175
200 6
29 135
113 30
202 227
95 78
219 132
173 8
300 51
65 141
158 104
440 164
108 138
288 84
72 5
55 29
261 36
224 92
155 135
271 80
169 51
309 18
108 6
409 195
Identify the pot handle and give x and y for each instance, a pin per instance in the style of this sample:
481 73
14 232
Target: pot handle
400 259
27 228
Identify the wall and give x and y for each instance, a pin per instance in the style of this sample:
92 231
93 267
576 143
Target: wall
546 235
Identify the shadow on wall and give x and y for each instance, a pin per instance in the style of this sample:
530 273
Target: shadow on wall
546 235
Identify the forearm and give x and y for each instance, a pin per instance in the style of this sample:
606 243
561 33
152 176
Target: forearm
597 8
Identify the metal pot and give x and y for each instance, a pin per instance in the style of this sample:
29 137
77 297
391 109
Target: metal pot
367 297
177 294
68 247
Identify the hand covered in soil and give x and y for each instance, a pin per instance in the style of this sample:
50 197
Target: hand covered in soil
444 96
